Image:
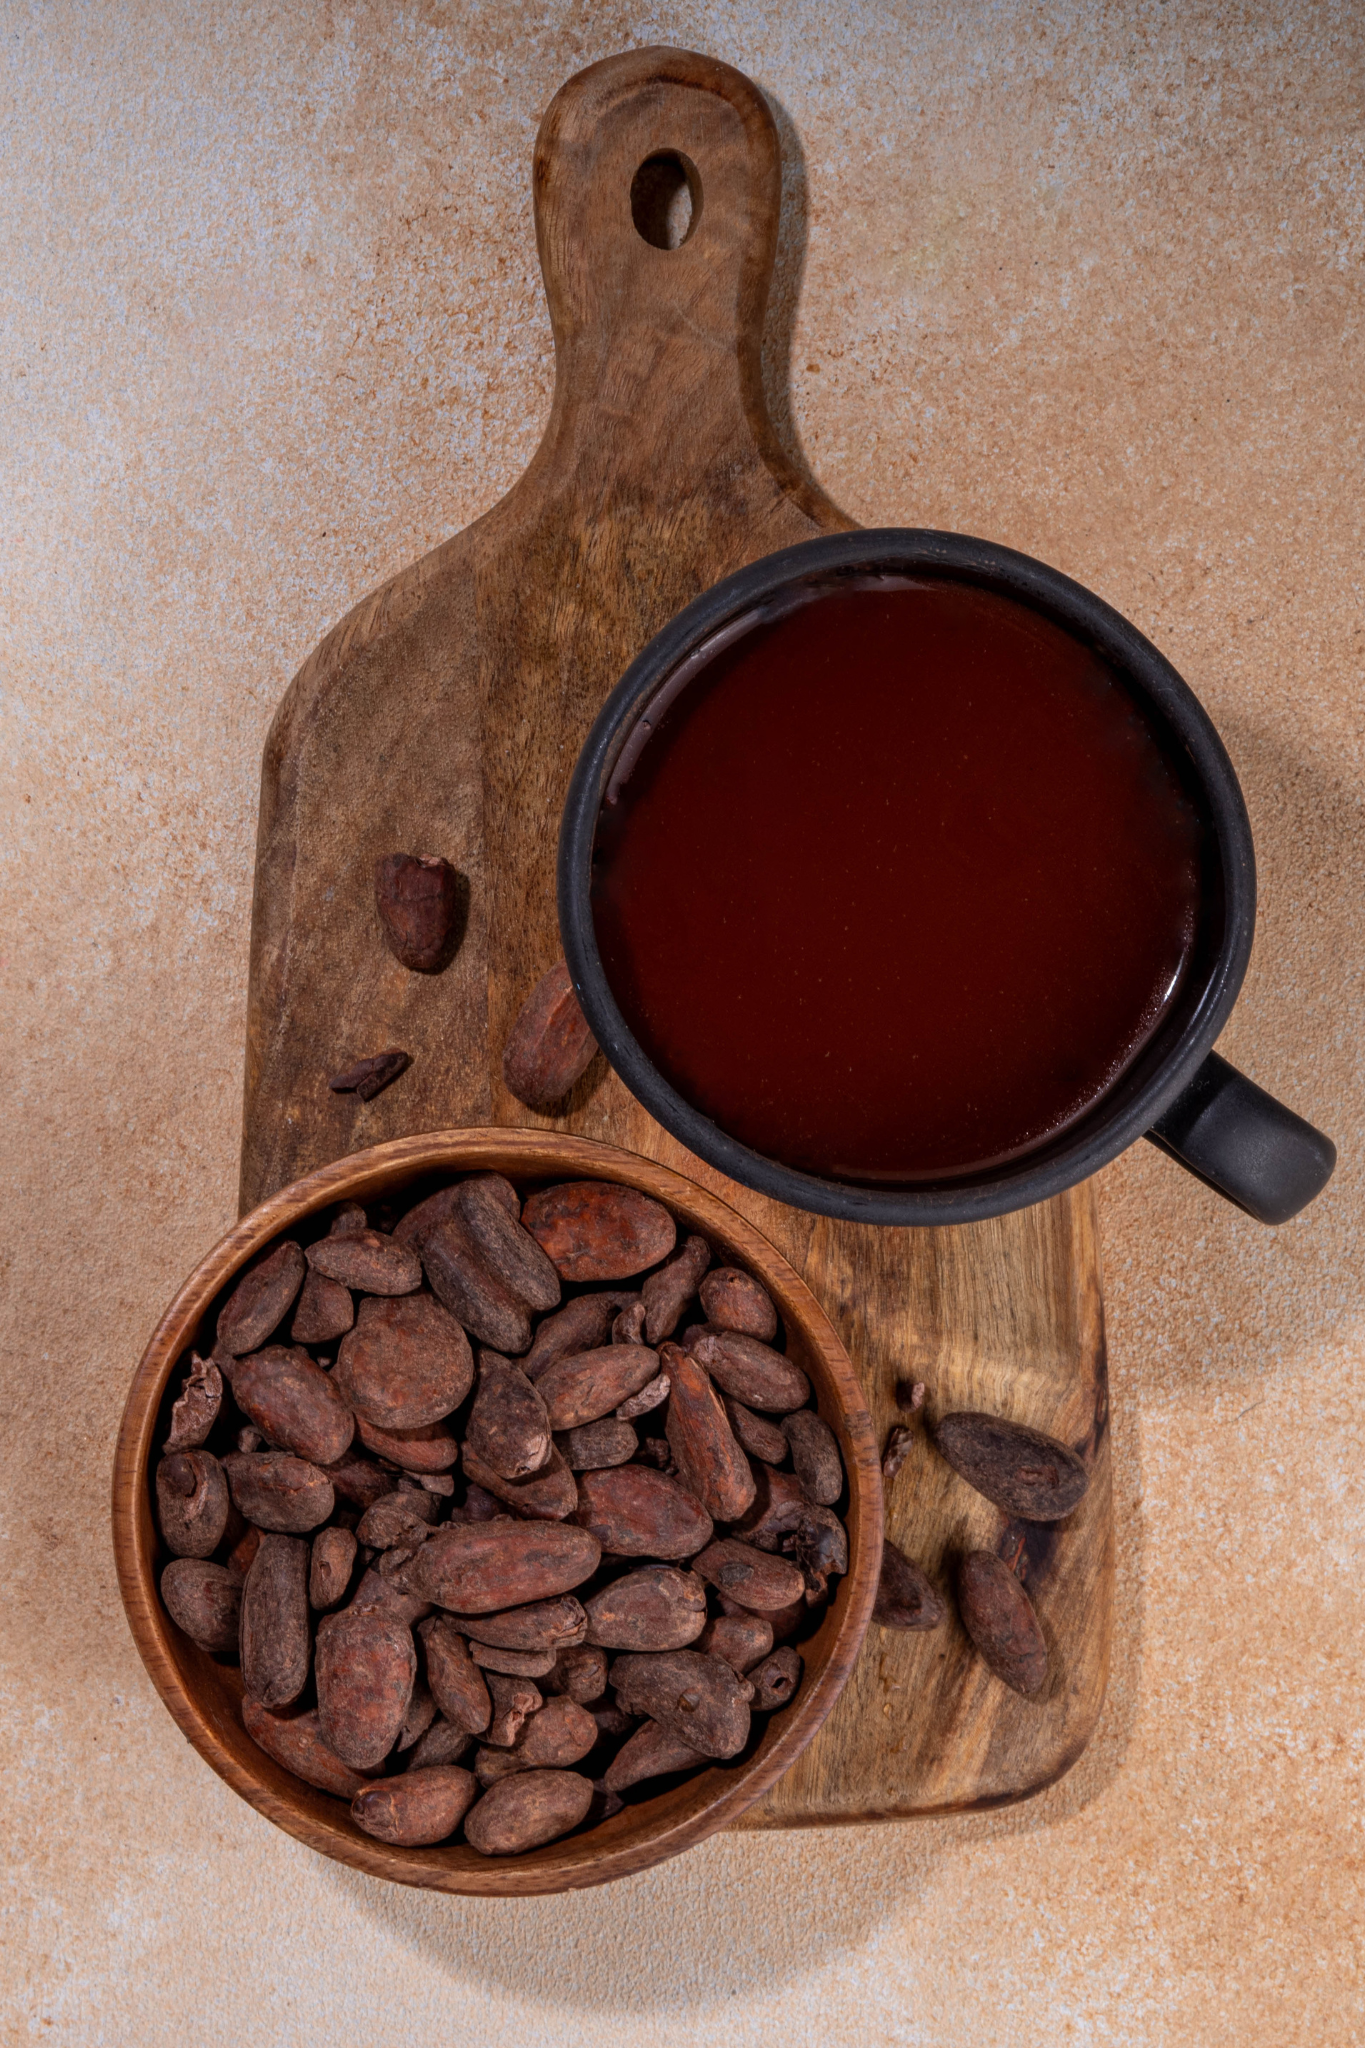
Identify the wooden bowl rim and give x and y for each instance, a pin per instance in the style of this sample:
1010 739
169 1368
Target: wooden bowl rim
323 1822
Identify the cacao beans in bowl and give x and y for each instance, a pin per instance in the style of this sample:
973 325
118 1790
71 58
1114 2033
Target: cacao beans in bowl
204 1689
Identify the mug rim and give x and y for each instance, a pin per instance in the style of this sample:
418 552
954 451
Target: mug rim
959 557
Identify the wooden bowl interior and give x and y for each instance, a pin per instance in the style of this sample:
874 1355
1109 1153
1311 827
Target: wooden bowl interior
204 1694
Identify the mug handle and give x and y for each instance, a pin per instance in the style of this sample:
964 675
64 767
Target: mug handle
1232 1135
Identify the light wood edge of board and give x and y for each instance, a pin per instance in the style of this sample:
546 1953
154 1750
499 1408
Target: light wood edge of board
204 1696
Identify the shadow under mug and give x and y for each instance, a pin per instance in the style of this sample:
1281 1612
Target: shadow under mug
1178 1092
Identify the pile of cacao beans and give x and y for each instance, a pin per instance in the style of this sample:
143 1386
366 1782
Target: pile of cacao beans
497 1538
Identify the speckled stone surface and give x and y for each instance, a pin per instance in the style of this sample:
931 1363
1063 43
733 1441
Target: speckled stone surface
1082 278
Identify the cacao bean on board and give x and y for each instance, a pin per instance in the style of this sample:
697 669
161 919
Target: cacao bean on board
295 1742
192 1502
905 1597
710 1463
1020 1469
366 1667
293 1403
422 903
275 1638
197 1405
998 1616
423 1806
526 1811
732 1300
510 1253
261 1300
370 1076
407 1362
508 1427
205 1600
550 1046
595 1230
635 1512
899 1444
666 1291
698 1698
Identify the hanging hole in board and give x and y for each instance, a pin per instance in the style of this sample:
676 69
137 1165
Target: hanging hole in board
665 199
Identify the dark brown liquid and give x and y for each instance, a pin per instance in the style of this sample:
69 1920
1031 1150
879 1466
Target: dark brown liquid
900 886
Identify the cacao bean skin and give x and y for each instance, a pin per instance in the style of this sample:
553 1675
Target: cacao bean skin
395 1517
457 1685
422 905
196 1408
743 1640
594 1446
655 1608
421 1807
751 1372
697 1698
776 1680
366 1667
559 1734
367 1261
759 1437
710 1463
370 1076
649 1397
595 1230
275 1624
905 1597
293 1403
665 1293
191 1502
484 1567
513 1699
330 1566
261 1300
899 1445
544 1625
550 1047
508 1428
513 1663
634 1511
1019 1469
815 1456
295 1742
998 1616
819 1544
278 1491
205 1600
732 1300
761 1582
460 1279
510 1253
526 1811
652 1752
587 1387
584 1324
443 1743
580 1672
549 1495
429 1449
406 1363
325 1311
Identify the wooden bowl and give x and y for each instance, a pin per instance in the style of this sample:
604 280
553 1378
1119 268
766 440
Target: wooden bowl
205 1695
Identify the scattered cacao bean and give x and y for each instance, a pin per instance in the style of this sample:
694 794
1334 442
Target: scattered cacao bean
191 1502
482 1568
595 1230
261 1300
462 1282
512 1663
426 1450
743 1640
775 1680
760 1438
549 1495
665 1292
526 1811
732 1300
550 1047
1020 1469
752 1372
513 1699
406 1363
366 1668
635 1512
369 1077
421 1807
294 1741
905 1597
593 1446
710 1463
653 1751
324 1310
293 1403
443 1743
910 1395
277 1491
508 1428
654 1608
581 1672
275 1626
422 903
205 1600
815 1456
510 1253
760 1581
650 1396
196 1408
999 1617
331 1564
698 1698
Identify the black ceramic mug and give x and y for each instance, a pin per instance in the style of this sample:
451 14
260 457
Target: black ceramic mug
1178 1092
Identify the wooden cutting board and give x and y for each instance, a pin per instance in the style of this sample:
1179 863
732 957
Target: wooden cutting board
443 716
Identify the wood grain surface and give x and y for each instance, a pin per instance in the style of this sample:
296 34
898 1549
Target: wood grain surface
444 715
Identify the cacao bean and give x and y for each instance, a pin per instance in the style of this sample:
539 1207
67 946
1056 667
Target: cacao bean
635 1512
1019 1469
359 1480
460 1279
653 1751
482 1568
427 1450
508 1428
999 1617
238 1558
508 1252
743 1640
611 1721
492 1764
649 1397
277 1491
750 1371
629 1326
275 1627
550 1047
293 1403
366 1667
513 1663
513 1699
325 1310
368 1262
421 1807
697 1698
294 1741
655 1608
406 1363
443 1743
594 1230
371 1076
779 1505
191 1502
905 1597
261 1300
419 1717
526 1811
759 1437
549 1495
785 1622
732 1300
583 1325
396 1517
380 1595
422 903
560 1733
581 1672
437 1482
330 1566
590 1384
594 1446
196 1408
457 1685
815 1456
544 1625
758 1580
775 1680
205 1600
665 1292
348 1220
710 1463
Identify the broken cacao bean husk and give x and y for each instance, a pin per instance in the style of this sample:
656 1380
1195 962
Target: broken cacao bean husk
196 1408
513 1700
650 1396
905 1597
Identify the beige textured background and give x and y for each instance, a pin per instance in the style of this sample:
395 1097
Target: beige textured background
1081 278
